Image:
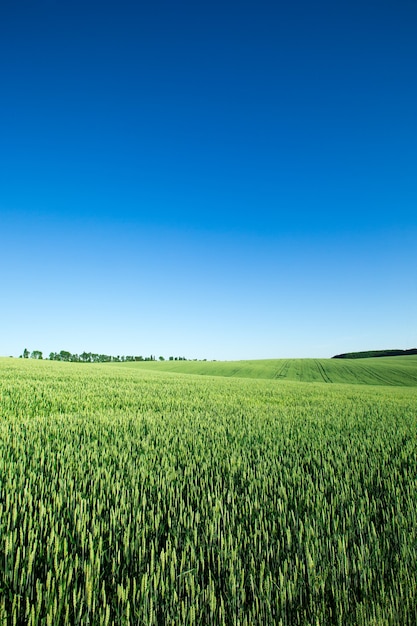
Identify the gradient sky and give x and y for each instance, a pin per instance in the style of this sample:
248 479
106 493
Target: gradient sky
220 180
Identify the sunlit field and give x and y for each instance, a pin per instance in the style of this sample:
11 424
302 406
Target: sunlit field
151 494
398 371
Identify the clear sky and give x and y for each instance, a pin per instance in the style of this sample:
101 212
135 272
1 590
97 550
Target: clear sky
220 180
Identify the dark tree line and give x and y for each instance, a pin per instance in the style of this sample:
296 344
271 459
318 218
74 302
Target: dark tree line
36 354
375 353
92 357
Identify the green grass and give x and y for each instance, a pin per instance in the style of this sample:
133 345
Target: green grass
381 371
134 495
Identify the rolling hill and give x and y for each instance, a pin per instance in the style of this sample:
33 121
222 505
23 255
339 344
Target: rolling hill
397 371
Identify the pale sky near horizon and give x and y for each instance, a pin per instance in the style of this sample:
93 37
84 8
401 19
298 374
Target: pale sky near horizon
209 180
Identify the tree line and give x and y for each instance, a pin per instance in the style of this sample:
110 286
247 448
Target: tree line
92 357
375 353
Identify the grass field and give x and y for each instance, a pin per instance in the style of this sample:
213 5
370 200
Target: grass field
149 493
377 371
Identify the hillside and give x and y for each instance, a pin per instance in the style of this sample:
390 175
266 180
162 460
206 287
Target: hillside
398 371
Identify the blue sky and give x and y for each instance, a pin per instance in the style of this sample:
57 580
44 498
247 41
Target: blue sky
215 180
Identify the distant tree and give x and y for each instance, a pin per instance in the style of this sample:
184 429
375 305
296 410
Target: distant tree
171 358
25 353
161 358
36 354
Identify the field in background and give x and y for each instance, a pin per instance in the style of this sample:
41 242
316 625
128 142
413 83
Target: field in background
130 494
381 371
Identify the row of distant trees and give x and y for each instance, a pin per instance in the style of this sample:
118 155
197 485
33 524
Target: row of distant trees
92 357
375 353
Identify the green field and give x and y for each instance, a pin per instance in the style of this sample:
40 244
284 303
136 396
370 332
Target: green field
213 493
382 371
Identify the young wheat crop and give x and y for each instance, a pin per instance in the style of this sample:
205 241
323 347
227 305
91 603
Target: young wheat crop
133 497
